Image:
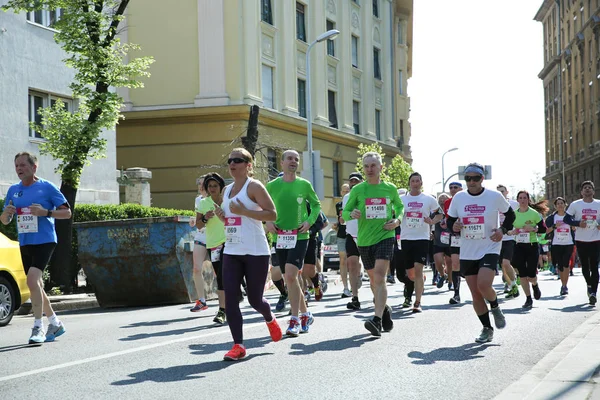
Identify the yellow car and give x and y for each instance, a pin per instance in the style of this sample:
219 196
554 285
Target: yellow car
13 281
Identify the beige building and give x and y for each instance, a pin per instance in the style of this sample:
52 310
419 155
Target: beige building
215 58
571 77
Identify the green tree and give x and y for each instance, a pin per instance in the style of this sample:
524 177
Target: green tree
397 173
87 31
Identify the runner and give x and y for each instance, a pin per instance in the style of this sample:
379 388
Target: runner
246 255
37 203
341 241
310 272
455 187
475 213
508 249
290 195
441 246
562 242
199 255
528 223
371 203
352 253
585 214
415 233
215 234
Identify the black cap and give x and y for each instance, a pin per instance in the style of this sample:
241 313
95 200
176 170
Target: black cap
355 175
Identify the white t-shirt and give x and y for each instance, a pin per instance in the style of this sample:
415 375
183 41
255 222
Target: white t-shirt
562 232
515 206
352 225
589 212
416 209
479 214
200 233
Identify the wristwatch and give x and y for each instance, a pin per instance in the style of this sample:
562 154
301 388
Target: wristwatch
203 219
49 214
504 230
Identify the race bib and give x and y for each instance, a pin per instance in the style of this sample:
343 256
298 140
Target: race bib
523 237
455 241
414 219
376 208
398 242
590 221
474 228
215 253
233 229
287 239
545 248
562 235
445 238
26 222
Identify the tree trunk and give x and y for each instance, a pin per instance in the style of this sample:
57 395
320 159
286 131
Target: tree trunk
249 141
62 272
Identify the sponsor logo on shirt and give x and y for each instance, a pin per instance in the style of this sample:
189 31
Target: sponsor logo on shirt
588 211
375 201
231 221
474 208
415 204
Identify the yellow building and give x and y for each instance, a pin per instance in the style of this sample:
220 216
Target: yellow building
215 58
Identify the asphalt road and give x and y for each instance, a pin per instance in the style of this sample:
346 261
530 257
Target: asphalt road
169 353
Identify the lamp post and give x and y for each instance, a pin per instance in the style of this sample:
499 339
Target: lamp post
443 178
434 185
331 34
562 164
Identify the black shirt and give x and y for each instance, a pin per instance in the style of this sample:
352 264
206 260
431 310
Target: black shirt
341 233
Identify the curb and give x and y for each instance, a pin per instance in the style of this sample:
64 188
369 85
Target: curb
62 305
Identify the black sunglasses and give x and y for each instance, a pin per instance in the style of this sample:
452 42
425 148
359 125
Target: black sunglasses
236 160
454 187
473 178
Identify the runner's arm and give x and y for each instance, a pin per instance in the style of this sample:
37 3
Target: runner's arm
62 212
315 206
509 219
258 194
450 223
350 206
541 226
568 219
398 206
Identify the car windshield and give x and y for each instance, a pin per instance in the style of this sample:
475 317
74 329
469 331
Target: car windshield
330 238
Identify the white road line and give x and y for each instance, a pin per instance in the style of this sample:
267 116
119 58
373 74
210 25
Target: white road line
119 353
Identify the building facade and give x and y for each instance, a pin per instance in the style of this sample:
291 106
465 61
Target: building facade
215 58
571 77
32 75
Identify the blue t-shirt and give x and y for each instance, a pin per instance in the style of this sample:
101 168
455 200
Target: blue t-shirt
38 230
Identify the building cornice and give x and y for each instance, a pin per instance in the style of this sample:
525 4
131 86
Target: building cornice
549 67
543 10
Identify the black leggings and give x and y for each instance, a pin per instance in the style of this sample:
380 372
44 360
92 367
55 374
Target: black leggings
525 259
255 269
218 268
589 256
397 266
561 255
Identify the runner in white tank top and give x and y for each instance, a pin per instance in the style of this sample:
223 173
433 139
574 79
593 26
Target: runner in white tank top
245 204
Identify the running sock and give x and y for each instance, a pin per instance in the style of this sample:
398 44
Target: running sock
38 323
528 298
355 298
280 285
315 280
494 303
410 288
53 319
202 300
222 309
456 282
485 320
376 319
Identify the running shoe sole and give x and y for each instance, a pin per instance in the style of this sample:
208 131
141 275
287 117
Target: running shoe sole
371 327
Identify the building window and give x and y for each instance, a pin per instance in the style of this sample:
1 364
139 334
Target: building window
272 164
300 24
37 100
330 42
267 86
400 83
400 32
376 68
331 109
266 12
356 116
336 179
354 51
302 98
45 17
378 124
376 8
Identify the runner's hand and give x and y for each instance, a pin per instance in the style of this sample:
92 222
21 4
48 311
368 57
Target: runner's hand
528 228
237 207
497 235
458 225
271 227
391 225
218 212
582 224
428 220
209 214
355 214
10 209
192 221
38 210
304 227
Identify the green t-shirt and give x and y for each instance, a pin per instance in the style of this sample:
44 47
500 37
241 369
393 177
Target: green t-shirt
290 200
215 228
530 217
382 198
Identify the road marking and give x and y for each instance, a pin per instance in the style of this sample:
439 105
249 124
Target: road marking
119 353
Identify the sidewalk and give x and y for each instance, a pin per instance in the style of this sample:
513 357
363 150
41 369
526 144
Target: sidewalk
65 302
570 371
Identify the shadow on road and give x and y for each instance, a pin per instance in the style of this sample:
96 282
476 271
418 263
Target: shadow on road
17 347
164 322
180 372
210 348
301 349
576 308
465 352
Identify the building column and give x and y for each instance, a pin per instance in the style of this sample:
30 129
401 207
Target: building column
287 77
211 50
318 58
345 98
388 44
367 87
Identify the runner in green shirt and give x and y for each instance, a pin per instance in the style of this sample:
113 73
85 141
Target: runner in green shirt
371 203
290 195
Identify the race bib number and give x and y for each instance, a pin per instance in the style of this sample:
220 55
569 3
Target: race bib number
590 221
414 219
376 208
474 228
562 235
215 254
455 241
233 229
287 239
523 237
26 222
545 248
445 238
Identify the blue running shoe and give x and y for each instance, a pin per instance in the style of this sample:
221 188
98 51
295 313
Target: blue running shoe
54 331
280 306
306 320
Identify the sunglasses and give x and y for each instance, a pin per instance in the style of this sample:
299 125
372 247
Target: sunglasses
236 160
454 187
472 178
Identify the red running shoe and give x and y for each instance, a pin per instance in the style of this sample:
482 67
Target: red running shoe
236 353
274 329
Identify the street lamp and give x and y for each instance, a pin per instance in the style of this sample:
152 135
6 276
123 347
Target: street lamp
331 34
443 175
434 185
554 162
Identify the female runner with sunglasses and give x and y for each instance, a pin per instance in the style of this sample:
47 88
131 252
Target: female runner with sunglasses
562 244
245 204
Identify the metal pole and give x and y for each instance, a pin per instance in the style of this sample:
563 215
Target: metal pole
309 143
443 181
